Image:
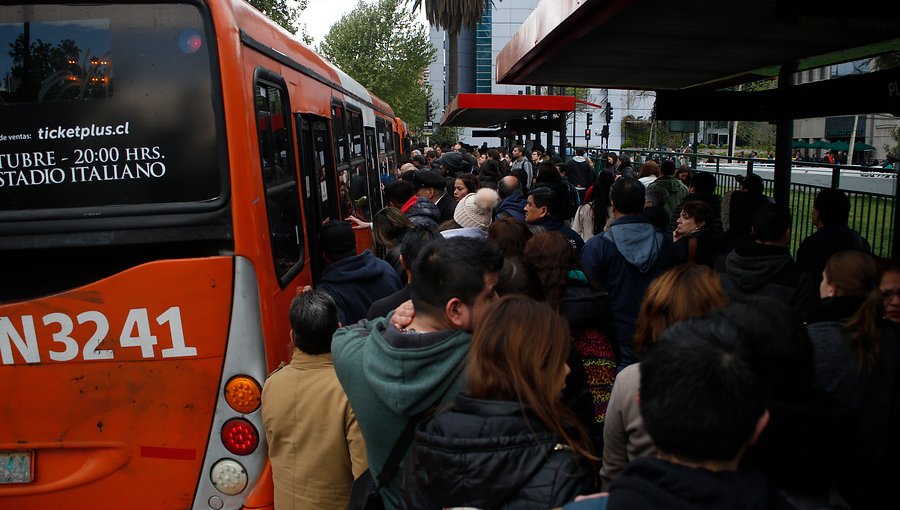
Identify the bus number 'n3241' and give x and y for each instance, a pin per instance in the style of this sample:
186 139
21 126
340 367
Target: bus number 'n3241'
164 168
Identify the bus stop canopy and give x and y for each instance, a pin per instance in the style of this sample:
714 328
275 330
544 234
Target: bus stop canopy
490 110
683 44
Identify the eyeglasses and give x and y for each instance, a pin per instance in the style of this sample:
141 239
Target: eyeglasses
890 293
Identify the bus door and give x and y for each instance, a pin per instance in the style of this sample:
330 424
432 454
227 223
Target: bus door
317 177
359 181
372 170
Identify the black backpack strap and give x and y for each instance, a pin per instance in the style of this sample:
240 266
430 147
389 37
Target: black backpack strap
400 447
393 461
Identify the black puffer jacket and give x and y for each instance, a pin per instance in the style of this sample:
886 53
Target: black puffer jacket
481 454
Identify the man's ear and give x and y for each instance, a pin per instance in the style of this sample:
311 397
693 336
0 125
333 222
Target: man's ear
544 211
457 313
760 426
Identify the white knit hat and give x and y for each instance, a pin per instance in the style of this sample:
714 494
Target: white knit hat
475 210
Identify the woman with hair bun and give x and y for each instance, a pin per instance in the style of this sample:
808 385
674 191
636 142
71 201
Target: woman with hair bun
509 442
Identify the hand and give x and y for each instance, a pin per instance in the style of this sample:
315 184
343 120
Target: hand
403 315
358 224
306 289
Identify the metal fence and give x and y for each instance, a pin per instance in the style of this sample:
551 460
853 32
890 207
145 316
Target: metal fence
871 212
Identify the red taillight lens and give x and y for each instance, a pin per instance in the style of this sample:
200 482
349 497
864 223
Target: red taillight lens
240 436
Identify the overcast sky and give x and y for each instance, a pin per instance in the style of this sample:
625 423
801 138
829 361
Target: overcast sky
321 14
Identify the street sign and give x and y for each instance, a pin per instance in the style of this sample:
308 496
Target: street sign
429 125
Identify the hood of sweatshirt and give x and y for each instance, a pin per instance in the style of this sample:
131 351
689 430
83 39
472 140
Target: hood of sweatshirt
359 268
407 371
637 240
751 266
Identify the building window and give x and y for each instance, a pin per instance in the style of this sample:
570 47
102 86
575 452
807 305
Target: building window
483 33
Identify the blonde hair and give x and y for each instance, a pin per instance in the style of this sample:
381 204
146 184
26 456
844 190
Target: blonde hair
686 291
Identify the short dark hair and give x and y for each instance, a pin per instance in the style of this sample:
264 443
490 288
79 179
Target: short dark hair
654 196
833 206
399 191
700 211
413 241
451 268
546 195
704 182
752 183
314 319
770 222
547 173
779 343
667 167
699 397
627 195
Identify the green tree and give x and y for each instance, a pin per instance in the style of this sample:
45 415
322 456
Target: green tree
894 149
383 48
446 135
285 15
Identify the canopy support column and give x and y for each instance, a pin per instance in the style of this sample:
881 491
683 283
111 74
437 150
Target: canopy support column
784 133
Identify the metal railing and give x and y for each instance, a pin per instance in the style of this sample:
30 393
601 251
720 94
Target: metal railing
872 190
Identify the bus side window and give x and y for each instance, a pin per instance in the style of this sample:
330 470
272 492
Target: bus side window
279 178
339 130
322 155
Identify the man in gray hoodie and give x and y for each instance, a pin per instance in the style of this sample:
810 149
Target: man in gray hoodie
625 259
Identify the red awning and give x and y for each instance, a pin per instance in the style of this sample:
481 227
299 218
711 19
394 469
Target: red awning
489 110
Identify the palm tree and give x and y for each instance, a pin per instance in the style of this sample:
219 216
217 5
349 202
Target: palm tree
452 15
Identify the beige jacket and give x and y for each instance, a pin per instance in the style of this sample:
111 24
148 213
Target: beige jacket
624 435
315 445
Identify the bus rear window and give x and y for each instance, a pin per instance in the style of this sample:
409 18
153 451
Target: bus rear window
105 105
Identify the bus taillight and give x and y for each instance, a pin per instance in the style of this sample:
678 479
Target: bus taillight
240 436
243 394
229 477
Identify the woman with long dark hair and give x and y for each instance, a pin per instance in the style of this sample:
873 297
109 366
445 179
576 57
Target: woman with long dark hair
857 363
509 442
559 281
593 215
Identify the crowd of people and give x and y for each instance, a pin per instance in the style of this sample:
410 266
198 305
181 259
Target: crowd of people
532 332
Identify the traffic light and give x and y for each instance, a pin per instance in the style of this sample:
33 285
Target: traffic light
587 134
604 133
589 119
609 113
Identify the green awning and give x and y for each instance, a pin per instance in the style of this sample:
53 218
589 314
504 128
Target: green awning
845 146
821 144
800 144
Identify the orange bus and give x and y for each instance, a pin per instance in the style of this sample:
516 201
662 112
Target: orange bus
163 170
